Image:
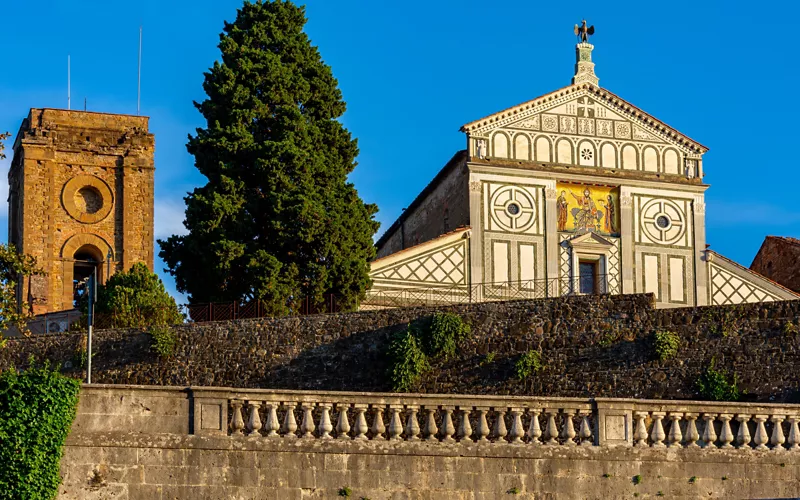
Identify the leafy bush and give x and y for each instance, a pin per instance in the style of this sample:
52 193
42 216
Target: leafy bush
164 340
790 328
445 332
528 364
37 408
714 385
666 344
407 361
136 298
608 339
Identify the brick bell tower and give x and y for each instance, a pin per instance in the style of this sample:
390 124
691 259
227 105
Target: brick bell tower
80 196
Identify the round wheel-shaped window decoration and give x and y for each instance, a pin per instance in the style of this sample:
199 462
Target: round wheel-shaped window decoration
513 209
663 221
87 198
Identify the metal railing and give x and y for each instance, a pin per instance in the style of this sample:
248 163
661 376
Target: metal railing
486 292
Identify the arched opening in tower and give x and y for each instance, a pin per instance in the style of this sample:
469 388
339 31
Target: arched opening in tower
86 258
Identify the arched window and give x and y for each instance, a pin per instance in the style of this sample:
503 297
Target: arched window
86 258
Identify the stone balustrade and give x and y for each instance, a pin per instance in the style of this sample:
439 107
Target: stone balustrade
530 421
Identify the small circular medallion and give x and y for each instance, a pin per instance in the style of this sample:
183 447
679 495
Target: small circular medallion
663 221
512 209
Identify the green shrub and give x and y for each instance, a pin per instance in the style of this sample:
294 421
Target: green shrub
488 359
608 339
407 362
37 408
790 328
345 492
528 364
637 479
715 386
513 491
666 344
445 332
163 340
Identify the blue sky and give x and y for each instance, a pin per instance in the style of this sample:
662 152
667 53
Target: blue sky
413 72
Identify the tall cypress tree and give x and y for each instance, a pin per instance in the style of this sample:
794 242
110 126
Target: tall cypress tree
277 220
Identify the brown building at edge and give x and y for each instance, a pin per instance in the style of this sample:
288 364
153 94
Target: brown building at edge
80 196
779 260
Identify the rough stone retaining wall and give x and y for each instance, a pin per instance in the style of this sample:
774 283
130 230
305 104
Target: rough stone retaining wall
591 345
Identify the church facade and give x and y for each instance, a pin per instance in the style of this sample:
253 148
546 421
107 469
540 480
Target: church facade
576 191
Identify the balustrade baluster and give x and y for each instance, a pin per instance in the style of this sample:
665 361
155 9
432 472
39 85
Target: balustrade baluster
464 426
254 422
430 429
675 435
692 436
568 429
237 422
585 432
777 438
500 431
289 423
657 433
517 431
361 427
342 423
307 426
395 423
743 437
483 427
761 438
412 425
534 430
709 433
378 427
551 431
447 425
726 435
325 426
640 435
271 426
794 433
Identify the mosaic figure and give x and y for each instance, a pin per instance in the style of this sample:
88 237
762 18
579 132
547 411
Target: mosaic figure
586 215
562 205
610 220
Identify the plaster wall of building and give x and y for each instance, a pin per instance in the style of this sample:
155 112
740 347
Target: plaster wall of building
80 187
440 208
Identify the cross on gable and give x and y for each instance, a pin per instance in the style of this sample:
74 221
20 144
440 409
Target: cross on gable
586 107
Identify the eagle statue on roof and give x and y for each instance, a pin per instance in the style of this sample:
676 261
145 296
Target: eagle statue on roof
583 31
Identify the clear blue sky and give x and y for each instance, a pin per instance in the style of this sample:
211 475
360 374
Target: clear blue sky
413 72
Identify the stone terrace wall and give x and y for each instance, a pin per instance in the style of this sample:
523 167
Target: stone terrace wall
591 345
132 443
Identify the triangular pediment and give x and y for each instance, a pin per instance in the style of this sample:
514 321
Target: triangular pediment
590 239
585 111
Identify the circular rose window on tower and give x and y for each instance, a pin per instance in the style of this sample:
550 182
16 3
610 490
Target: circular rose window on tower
87 198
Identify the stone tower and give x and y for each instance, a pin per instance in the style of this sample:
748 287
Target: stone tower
80 196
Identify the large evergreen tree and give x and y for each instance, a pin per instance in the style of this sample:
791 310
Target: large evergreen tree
277 220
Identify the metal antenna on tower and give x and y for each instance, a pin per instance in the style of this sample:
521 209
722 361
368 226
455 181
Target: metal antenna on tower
68 85
139 77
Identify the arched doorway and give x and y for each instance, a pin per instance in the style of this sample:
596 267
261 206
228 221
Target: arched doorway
85 259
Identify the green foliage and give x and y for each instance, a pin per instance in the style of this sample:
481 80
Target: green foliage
137 298
637 479
407 361
14 266
445 332
607 475
488 359
790 328
513 491
164 340
345 492
277 220
528 364
666 344
609 338
715 385
660 493
692 479
37 407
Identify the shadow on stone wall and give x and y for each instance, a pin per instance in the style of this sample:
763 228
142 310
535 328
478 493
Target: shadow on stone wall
597 346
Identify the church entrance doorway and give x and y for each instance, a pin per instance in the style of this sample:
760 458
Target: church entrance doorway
587 277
